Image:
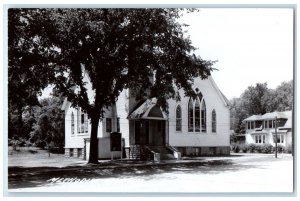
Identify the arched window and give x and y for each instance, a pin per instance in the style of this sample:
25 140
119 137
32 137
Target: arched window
213 121
178 118
203 116
197 115
86 123
190 116
78 120
72 124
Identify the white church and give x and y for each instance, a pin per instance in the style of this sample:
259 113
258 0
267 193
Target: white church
193 126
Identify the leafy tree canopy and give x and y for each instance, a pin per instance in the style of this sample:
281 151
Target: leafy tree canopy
116 48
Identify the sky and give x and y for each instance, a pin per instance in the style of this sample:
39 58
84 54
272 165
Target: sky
251 45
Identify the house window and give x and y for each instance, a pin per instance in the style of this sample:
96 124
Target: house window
258 124
260 139
190 116
257 139
213 121
252 124
280 138
197 116
72 124
270 124
178 118
203 117
249 125
108 125
266 124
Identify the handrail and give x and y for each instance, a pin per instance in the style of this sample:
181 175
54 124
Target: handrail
176 153
156 156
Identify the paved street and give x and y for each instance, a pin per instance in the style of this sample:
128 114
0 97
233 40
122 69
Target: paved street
237 173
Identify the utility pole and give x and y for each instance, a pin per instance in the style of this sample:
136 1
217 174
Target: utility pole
275 136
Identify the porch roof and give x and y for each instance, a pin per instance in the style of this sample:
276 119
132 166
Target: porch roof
272 115
143 110
253 118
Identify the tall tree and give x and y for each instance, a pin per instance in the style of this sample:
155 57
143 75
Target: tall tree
49 126
253 99
283 96
29 67
118 49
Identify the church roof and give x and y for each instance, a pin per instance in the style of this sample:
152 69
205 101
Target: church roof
144 110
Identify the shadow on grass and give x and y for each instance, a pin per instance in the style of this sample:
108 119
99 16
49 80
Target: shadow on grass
24 177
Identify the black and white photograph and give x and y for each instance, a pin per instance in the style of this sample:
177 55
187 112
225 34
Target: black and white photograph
150 99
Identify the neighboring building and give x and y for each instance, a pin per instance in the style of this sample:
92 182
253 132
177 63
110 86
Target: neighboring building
260 129
197 126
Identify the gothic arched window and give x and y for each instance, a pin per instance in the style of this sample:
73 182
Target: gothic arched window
178 118
203 116
191 116
197 115
214 121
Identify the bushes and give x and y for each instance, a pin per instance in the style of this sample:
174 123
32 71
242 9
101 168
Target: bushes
258 148
251 148
244 148
280 149
267 148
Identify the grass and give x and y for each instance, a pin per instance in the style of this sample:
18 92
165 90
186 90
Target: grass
35 157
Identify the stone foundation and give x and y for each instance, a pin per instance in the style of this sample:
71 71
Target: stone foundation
204 151
74 152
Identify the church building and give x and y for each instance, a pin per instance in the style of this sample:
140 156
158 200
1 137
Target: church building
192 127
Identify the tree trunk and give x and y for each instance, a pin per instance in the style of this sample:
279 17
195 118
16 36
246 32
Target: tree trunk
93 158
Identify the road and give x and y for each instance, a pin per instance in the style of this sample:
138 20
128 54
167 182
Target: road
239 173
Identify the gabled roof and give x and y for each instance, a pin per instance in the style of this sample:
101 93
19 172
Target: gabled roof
221 95
143 110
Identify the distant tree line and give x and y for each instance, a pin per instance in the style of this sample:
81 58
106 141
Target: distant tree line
260 99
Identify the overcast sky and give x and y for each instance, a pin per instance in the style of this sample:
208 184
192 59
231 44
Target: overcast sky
251 45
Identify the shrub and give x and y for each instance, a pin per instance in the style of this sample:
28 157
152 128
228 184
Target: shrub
244 148
280 149
252 148
258 148
266 148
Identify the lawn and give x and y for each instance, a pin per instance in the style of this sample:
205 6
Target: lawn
35 157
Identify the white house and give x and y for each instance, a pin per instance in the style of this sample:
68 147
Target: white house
260 129
197 126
